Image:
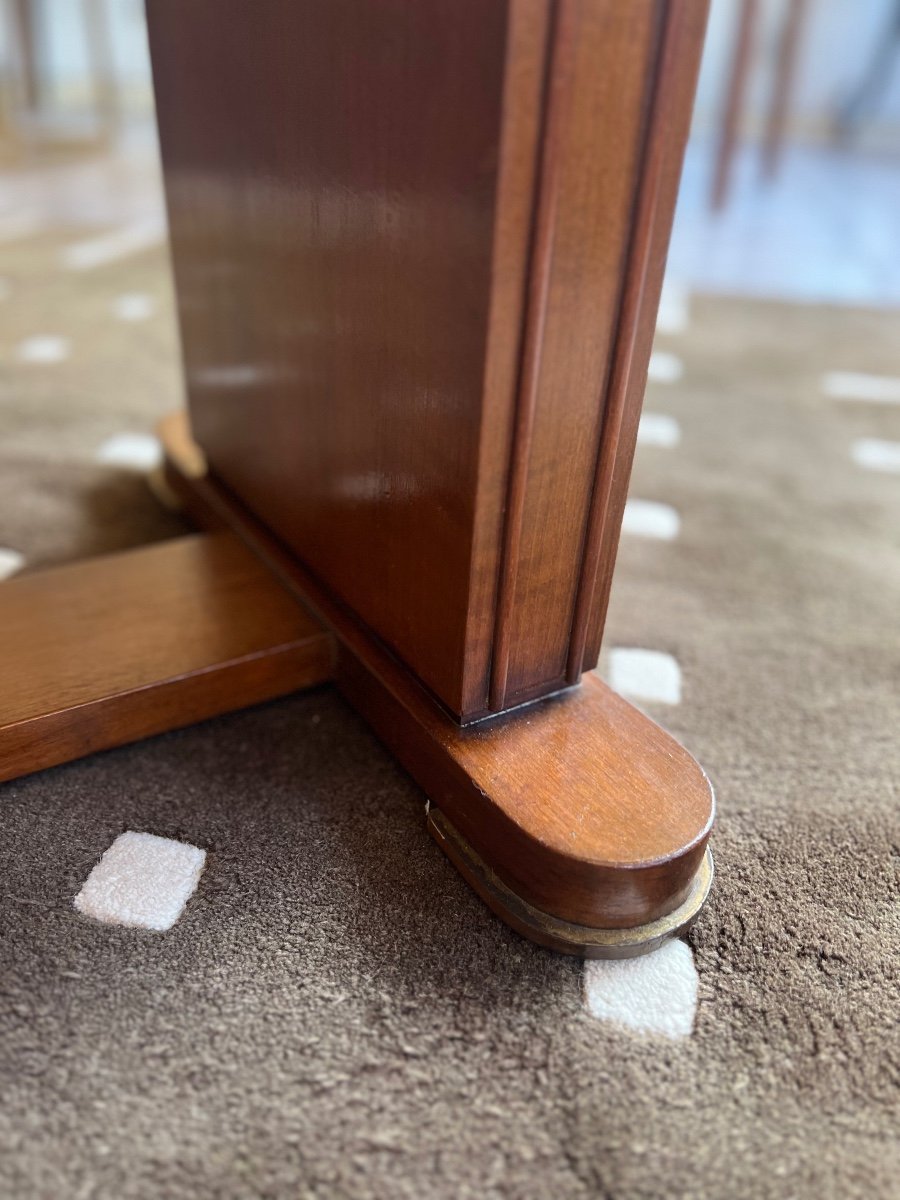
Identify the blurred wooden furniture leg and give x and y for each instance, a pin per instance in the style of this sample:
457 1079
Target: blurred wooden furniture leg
734 101
27 99
104 84
20 77
23 22
418 251
875 80
785 70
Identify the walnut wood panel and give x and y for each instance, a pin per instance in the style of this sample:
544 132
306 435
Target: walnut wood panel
623 78
568 937
113 649
580 804
668 124
417 249
332 170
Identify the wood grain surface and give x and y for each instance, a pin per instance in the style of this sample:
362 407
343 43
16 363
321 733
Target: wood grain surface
579 803
332 210
669 100
113 649
568 937
418 251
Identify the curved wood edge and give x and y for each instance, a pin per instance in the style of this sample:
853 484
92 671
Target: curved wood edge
565 936
580 804
581 807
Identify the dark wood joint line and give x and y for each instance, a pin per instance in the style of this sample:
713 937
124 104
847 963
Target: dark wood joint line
583 808
556 82
622 371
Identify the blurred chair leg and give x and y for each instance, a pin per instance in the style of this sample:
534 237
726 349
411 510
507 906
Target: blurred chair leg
99 49
25 27
731 116
874 82
785 71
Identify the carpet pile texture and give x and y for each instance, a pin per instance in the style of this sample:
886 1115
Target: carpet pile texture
336 1014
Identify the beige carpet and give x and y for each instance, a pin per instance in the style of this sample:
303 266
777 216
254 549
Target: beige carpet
57 503
336 1014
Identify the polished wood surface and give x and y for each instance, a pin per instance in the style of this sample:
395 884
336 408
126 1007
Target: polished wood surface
331 213
418 251
622 83
568 937
579 803
113 649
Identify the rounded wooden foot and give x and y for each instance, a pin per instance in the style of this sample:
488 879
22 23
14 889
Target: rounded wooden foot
579 820
565 936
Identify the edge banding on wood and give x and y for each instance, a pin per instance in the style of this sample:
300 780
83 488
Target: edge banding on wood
567 937
586 813
121 647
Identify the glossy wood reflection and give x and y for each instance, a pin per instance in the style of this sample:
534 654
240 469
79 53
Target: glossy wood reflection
401 236
580 804
104 652
332 214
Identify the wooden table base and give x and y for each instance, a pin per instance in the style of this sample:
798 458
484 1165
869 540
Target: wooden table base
417 261
577 818
566 936
117 648
417 252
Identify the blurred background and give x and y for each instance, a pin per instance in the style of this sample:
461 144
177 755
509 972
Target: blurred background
790 197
